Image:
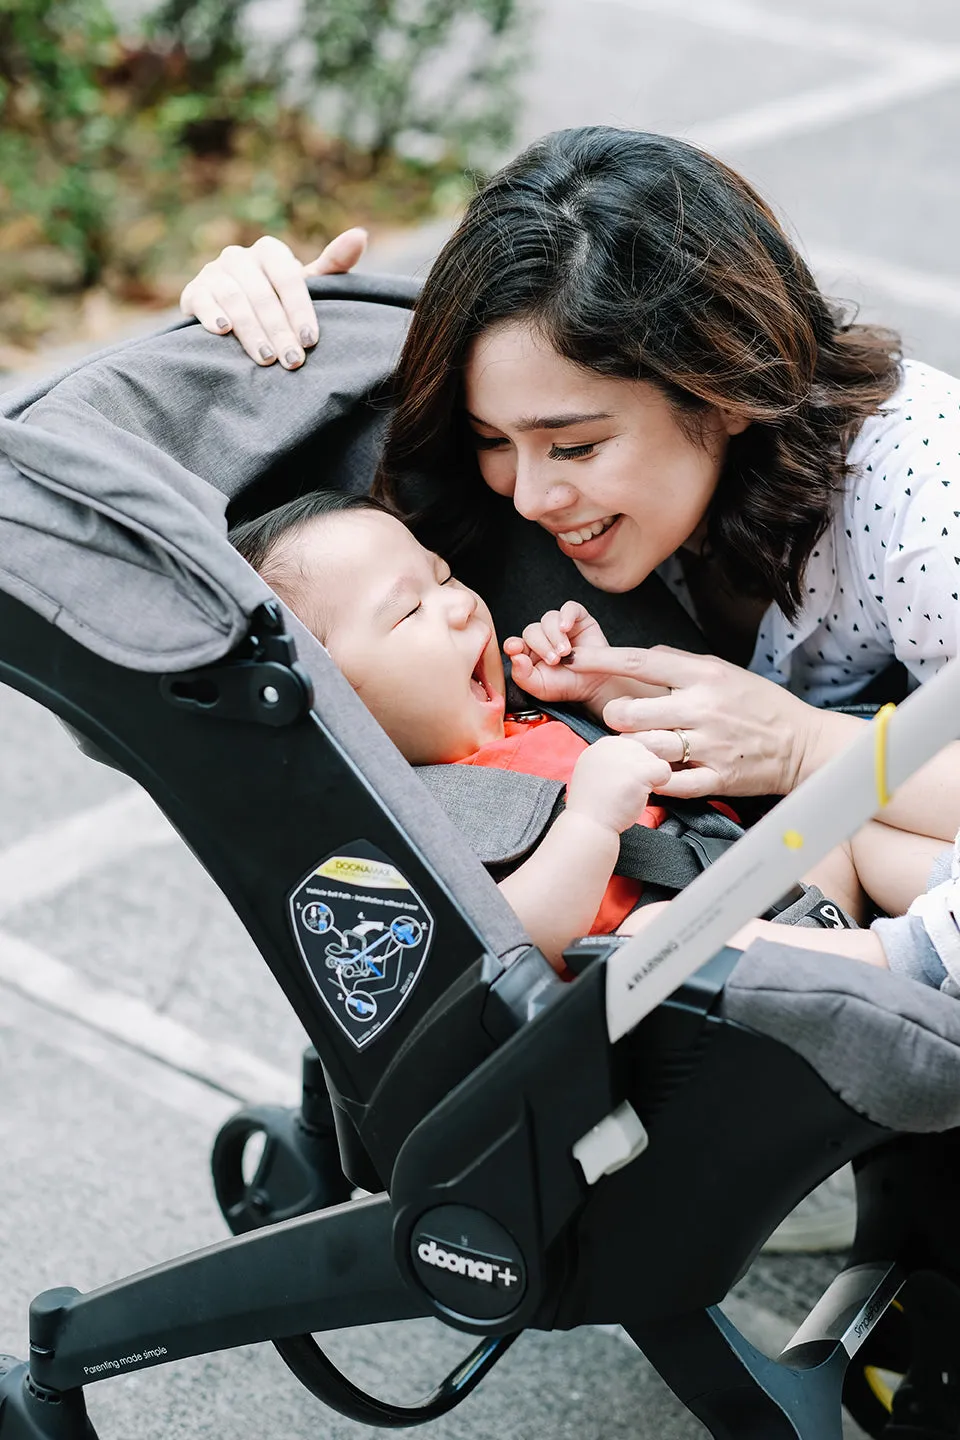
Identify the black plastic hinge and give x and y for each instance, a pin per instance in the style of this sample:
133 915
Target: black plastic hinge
260 681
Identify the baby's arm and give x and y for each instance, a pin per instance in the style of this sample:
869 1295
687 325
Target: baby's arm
558 891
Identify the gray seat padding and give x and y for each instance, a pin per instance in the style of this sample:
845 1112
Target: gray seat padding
887 1046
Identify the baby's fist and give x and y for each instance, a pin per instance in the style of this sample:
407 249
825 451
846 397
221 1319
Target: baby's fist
612 781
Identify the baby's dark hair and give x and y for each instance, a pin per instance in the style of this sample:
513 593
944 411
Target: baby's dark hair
264 544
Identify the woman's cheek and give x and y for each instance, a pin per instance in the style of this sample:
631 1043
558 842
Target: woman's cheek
498 471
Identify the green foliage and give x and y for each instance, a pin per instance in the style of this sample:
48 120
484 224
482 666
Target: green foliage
124 156
434 76
58 143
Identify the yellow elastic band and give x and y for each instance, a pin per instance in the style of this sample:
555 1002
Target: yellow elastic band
880 722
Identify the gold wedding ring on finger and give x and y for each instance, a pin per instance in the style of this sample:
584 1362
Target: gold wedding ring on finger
684 739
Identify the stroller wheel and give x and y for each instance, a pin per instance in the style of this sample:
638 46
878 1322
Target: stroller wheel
876 1371
297 1170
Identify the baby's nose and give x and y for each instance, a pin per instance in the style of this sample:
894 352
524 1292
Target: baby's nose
463 605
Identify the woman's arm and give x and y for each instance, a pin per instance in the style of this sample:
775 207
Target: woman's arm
926 804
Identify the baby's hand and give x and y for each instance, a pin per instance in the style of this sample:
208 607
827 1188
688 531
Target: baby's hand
540 659
611 782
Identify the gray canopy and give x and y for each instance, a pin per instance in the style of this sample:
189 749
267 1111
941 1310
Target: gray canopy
114 477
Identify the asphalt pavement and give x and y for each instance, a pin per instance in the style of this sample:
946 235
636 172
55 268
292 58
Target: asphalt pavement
135 1012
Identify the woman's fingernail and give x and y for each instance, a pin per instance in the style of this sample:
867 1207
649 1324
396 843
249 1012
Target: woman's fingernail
222 323
308 336
266 352
293 357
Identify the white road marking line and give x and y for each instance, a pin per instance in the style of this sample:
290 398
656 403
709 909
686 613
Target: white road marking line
909 70
42 978
817 109
921 288
129 1069
753 22
52 858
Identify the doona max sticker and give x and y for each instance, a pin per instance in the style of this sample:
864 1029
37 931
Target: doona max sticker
364 935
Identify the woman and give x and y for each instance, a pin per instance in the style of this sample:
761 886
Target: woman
642 364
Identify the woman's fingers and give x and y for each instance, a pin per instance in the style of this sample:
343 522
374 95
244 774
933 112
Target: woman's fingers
627 713
260 294
657 665
288 305
667 744
196 299
272 284
695 783
343 252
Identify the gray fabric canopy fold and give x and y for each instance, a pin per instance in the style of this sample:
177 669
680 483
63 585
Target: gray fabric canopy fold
114 478
118 544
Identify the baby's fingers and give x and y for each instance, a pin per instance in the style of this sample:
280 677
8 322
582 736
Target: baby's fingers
573 616
544 639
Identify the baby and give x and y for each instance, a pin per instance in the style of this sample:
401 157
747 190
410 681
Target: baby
420 650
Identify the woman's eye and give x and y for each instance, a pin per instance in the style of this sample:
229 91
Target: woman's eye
484 442
418 606
570 452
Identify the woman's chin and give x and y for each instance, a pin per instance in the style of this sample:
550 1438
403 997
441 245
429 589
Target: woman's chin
612 579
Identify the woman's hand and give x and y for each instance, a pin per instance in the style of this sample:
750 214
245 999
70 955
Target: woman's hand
746 736
260 294
544 660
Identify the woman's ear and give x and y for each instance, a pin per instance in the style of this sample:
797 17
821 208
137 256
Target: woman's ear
733 424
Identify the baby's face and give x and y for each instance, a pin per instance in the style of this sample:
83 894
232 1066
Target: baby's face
418 647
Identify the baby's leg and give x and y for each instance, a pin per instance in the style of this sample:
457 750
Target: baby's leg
879 862
893 865
836 875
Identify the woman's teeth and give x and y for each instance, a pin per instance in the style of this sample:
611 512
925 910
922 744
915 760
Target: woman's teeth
588 532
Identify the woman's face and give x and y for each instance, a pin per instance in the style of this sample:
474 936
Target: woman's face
602 463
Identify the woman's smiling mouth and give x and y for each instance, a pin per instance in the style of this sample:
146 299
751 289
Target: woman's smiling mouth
588 541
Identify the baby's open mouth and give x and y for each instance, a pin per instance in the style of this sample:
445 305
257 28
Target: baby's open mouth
478 684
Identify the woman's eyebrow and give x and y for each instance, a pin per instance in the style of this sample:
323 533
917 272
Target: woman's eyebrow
547 422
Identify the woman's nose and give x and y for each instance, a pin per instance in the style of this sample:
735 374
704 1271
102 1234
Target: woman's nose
537 493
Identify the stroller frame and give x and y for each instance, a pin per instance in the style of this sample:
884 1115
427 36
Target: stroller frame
465 1114
339 1266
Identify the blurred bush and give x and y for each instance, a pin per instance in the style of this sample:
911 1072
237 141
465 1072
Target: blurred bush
129 153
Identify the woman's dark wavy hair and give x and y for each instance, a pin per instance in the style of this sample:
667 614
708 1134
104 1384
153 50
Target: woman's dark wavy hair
638 256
